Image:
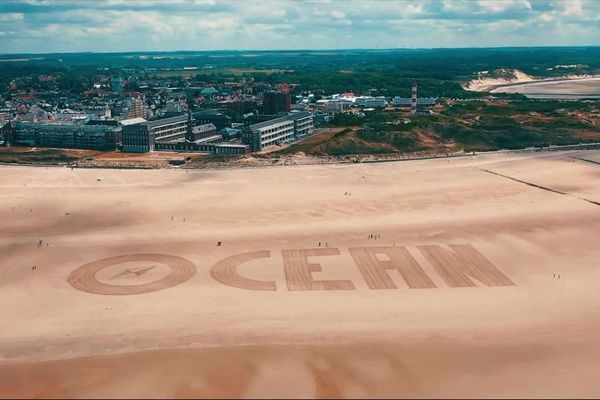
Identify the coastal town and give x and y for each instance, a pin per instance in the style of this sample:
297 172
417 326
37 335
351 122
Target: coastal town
134 115
178 110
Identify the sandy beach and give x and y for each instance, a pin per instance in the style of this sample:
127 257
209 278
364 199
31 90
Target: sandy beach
575 87
464 277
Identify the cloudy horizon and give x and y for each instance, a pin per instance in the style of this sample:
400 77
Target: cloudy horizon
52 26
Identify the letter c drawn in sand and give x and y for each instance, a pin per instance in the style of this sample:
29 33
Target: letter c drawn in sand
85 278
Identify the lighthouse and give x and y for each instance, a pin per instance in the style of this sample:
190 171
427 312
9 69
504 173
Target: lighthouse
413 100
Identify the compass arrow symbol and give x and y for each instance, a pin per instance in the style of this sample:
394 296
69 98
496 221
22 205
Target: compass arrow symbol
129 272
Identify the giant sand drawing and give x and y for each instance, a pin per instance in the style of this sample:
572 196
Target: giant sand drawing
85 278
458 265
477 283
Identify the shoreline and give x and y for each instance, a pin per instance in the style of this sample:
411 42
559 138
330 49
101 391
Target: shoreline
491 88
550 80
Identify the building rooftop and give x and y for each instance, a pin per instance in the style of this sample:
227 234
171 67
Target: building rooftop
213 138
132 121
56 125
290 117
208 112
164 121
234 145
299 114
209 91
204 128
107 122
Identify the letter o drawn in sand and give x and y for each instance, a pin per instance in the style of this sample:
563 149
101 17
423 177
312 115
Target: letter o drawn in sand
85 277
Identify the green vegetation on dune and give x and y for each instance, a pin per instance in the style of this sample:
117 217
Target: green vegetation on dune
513 127
345 142
402 141
469 126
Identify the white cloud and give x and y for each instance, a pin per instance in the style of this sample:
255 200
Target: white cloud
573 7
11 17
122 25
338 14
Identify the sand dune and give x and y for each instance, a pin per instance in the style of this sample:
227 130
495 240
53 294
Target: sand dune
485 84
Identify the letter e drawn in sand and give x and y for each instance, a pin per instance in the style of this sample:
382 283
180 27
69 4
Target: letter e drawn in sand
456 266
298 271
225 271
85 277
374 271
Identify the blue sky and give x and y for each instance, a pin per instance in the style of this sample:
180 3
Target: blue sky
32 26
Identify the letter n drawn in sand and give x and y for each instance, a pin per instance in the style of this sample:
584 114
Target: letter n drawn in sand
462 262
298 271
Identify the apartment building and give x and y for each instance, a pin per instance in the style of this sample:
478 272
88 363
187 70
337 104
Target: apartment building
278 131
141 137
95 137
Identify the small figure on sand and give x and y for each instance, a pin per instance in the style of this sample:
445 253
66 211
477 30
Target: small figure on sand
219 243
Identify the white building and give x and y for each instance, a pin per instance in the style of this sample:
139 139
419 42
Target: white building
421 101
370 102
333 105
279 130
